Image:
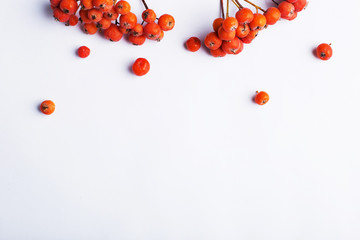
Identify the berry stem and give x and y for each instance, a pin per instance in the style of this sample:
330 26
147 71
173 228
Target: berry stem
235 4
256 6
227 8
222 9
145 5
275 2
238 4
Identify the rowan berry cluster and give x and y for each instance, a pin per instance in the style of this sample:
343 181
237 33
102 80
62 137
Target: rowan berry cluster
230 33
113 19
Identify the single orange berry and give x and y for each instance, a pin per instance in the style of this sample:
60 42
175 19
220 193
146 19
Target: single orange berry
217 23
272 15
128 20
261 98
244 15
250 37
83 52
111 14
84 16
124 30
113 33
161 36
324 51
60 15
94 15
103 24
166 22
226 36
73 20
103 5
123 7
86 4
137 40
300 5
68 6
242 31
212 41
218 52
230 24
287 10
234 46
137 30
193 44
258 23
141 66
90 28
152 31
148 15
47 107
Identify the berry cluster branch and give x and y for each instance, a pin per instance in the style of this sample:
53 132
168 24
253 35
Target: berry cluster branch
238 4
222 9
145 5
275 2
227 8
256 6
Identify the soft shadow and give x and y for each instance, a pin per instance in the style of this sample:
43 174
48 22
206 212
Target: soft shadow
48 12
314 52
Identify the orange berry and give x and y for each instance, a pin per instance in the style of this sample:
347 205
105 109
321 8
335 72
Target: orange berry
148 15
137 30
287 10
250 37
324 51
73 20
60 15
234 46
217 52
94 15
128 20
47 107
230 24
83 52
226 36
261 98
258 23
141 66
124 30
122 7
152 31
68 6
242 31
90 28
113 33
103 5
272 15
55 3
103 24
86 4
217 23
161 36
111 14
212 41
244 15
83 16
193 44
300 5
166 22
137 40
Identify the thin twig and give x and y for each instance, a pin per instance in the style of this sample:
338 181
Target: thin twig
257 7
146 6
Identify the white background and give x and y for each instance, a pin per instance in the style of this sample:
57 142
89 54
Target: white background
183 152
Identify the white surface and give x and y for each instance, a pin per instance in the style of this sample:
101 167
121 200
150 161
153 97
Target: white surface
182 153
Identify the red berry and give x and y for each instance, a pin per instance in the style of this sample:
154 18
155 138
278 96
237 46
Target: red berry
55 3
128 20
152 31
141 66
137 30
68 6
113 33
300 5
95 15
137 40
250 37
86 4
103 5
217 23
258 23
73 20
84 16
230 24
193 44
244 15
104 24
83 52
324 51
90 28
47 107
166 22
272 15
217 52
226 36
212 41
242 31
261 98
234 46
148 15
287 10
122 7
111 14
60 15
